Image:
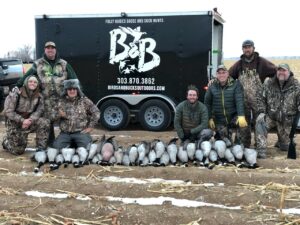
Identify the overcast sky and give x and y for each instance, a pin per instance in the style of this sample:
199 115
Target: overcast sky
272 25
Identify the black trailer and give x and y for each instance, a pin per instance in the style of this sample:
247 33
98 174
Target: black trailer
136 67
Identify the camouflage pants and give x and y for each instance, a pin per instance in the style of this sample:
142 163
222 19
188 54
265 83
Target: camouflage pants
251 84
251 115
50 105
50 113
72 140
228 131
15 140
282 128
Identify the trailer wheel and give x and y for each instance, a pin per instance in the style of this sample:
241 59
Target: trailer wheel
114 114
155 115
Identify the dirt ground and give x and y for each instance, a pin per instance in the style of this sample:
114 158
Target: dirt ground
230 195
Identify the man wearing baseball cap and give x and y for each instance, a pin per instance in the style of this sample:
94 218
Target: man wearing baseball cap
50 44
51 71
251 70
277 102
224 100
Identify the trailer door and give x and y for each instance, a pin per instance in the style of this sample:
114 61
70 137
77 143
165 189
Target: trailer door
217 46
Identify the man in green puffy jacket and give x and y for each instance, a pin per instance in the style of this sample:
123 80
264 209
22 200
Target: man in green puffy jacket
191 116
224 100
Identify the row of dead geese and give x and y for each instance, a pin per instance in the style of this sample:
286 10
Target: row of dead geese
207 151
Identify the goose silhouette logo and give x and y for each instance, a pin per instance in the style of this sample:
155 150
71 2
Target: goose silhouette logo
138 53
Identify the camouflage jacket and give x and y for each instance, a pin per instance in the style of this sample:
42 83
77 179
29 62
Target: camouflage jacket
190 118
51 75
20 106
279 103
260 65
80 113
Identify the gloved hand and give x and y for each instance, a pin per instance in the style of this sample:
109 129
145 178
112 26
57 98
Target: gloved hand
211 124
211 82
241 121
261 118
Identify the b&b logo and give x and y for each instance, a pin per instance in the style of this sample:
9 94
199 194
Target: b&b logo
139 49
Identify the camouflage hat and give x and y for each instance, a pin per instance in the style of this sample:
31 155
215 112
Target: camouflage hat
72 83
50 43
221 67
283 66
248 43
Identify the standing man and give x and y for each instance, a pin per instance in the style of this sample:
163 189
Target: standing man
77 117
278 103
251 70
23 110
224 100
191 116
51 71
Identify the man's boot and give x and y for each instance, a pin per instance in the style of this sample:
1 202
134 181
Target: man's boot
261 153
283 147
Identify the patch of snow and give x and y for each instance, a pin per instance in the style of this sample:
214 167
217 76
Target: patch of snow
131 180
83 198
23 173
290 211
54 195
38 174
176 202
46 195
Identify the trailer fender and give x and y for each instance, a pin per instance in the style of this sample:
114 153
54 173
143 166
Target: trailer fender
136 99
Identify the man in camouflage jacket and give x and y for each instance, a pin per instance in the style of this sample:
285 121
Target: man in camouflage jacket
191 116
51 71
251 70
23 110
278 102
77 116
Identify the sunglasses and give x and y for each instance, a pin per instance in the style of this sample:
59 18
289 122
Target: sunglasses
70 89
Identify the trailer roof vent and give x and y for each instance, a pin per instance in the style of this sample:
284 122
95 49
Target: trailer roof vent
123 14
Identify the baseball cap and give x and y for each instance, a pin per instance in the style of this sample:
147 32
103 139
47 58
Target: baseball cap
221 67
283 66
248 43
50 43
